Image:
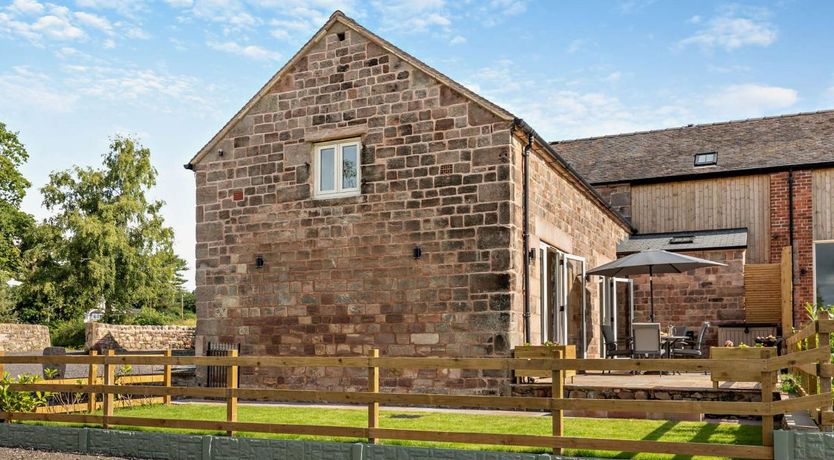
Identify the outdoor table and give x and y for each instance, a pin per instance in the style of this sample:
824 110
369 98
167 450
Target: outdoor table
670 341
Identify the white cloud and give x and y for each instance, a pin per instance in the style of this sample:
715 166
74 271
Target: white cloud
750 100
26 7
457 40
22 89
733 29
180 3
613 77
99 22
123 7
413 16
577 45
57 27
249 51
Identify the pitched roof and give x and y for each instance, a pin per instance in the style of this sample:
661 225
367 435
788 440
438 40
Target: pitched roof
339 17
685 241
742 146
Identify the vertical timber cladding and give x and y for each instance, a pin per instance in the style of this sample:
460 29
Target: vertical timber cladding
705 205
339 276
823 204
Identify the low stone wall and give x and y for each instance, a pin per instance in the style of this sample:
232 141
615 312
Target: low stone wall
23 337
101 336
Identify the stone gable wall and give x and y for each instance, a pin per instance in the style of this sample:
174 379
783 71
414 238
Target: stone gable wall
564 216
101 336
23 337
339 277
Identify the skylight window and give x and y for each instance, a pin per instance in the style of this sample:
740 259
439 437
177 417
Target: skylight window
706 159
682 239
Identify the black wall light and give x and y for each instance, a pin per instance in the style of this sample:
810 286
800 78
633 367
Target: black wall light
259 262
418 252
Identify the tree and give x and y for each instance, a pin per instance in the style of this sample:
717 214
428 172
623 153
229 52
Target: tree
105 244
13 222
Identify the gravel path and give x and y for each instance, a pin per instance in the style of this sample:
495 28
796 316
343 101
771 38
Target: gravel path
24 454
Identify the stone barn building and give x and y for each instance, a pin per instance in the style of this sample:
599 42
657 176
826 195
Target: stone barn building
362 199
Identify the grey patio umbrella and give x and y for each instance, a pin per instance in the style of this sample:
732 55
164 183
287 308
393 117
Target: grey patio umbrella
651 262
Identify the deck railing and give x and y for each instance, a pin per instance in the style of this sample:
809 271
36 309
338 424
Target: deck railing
767 369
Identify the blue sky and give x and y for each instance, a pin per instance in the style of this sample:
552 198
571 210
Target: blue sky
72 74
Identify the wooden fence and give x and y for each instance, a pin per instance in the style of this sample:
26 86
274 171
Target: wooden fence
766 368
814 379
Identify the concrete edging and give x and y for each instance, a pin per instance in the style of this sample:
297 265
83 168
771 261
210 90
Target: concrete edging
802 445
172 446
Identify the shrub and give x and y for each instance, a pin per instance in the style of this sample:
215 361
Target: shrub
69 334
20 401
151 317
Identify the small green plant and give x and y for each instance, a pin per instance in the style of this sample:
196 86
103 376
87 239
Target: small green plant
813 310
21 401
788 384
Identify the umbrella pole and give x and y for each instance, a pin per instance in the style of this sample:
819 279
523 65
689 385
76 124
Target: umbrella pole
651 294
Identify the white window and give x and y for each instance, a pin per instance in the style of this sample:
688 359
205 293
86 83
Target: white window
824 273
337 169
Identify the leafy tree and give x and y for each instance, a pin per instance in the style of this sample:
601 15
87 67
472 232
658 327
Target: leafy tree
105 244
13 222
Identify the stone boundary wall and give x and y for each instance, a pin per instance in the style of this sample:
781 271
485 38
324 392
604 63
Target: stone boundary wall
23 337
169 446
101 336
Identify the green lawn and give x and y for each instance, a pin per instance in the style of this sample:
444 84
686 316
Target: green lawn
453 421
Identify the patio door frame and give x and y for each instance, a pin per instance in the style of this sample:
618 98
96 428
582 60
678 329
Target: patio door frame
559 322
609 303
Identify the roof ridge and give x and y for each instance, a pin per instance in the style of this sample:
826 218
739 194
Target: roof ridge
694 125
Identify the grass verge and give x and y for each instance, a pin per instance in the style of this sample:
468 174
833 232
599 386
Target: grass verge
670 431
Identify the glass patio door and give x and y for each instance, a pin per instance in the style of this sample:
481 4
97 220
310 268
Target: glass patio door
617 305
563 297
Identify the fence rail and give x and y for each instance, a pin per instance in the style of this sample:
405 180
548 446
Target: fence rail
814 379
799 357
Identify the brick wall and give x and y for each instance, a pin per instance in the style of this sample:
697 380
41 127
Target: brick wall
338 276
714 294
23 337
803 247
101 336
563 215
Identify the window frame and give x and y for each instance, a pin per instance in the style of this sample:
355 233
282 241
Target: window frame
712 162
338 191
814 262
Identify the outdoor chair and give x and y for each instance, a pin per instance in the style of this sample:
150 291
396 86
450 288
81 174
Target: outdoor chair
695 348
646 340
612 347
679 331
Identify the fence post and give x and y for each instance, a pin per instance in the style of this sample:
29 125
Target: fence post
107 397
824 340
92 379
231 400
373 387
768 386
2 369
557 392
166 376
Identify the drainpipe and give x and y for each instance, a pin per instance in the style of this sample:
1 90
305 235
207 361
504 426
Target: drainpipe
526 230
794 274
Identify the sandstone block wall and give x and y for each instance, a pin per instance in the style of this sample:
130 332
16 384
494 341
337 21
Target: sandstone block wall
101 336
714 294
339 276
565 216
23 337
